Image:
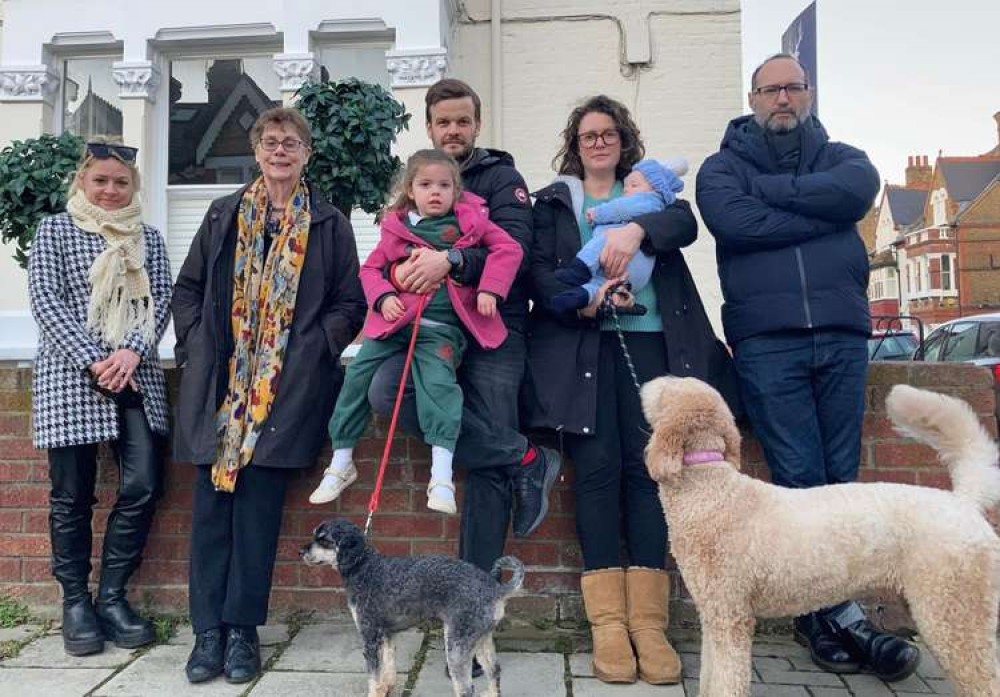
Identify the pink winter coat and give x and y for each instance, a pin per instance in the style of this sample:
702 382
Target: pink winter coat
476 230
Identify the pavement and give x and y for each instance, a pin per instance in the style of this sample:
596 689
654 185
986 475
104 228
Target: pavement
323 659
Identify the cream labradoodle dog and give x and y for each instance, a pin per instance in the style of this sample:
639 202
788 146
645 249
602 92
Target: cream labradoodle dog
749 549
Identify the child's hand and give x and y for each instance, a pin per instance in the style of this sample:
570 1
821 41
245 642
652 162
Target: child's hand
392 308
486 304
590 216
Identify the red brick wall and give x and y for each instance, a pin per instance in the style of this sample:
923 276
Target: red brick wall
404 526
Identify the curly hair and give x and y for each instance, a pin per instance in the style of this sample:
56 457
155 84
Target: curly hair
567 160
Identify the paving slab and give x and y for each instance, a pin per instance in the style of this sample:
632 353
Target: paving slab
19 633
590 687
867 686
336 648
48 652
160 673
278 684
521 674
38 682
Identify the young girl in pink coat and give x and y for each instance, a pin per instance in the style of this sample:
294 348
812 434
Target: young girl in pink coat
430 211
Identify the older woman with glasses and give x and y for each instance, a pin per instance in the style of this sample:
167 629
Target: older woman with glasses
265 303
99 283
583 366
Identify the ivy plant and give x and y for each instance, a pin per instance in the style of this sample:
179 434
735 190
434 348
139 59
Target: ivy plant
34 175
354 125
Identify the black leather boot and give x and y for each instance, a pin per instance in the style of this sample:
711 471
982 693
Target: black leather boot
72 471
81 632
208 655
139 460
242 655
825 647
119 621
888 656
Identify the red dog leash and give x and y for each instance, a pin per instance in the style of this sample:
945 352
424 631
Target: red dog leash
376 494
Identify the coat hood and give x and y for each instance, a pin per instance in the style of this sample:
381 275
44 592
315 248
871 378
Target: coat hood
745 139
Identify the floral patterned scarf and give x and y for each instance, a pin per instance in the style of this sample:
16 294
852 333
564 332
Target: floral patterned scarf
264 292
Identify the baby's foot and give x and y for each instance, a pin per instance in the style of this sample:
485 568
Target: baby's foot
574 273
441 497
570 300
335 480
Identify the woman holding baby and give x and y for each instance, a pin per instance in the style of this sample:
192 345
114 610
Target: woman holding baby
581 382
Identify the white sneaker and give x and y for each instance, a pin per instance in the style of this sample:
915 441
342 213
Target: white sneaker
334 482
441 497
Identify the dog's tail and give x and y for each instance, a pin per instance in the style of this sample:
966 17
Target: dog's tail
950 426
517 574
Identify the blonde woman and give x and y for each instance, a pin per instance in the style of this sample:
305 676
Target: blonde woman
99 282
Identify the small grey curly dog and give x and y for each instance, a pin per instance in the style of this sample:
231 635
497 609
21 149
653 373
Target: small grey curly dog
389 594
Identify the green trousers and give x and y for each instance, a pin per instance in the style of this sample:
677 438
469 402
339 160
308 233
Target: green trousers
436 356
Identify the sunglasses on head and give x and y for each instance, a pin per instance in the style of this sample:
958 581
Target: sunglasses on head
102 151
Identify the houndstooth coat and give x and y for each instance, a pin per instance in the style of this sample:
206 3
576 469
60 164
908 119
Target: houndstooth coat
65 409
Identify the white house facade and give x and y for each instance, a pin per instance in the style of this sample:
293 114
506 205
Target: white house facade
183 80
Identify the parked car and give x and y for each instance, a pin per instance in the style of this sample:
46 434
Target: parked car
892 345
973 339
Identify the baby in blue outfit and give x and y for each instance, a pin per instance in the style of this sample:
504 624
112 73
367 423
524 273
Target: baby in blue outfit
650 187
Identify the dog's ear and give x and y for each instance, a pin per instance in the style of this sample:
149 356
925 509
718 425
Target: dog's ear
664 454
351 551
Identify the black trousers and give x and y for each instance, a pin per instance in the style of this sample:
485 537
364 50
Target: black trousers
73 474
612 485
488 445
234 541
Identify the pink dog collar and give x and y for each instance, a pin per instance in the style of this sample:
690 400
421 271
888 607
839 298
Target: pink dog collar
698 457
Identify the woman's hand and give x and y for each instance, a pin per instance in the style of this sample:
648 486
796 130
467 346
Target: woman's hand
115 371
621 246
392 308
621 298
486 304
424 271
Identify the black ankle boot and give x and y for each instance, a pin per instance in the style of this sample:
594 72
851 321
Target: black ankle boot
208 655
81 631
119 621
825 648
888 656
242 655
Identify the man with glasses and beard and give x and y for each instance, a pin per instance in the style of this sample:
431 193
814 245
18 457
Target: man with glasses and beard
504 470
782 201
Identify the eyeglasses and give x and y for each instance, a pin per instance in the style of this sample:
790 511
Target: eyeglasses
589 139
103 151
792 89
289 144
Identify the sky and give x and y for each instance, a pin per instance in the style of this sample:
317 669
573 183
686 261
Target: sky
896 77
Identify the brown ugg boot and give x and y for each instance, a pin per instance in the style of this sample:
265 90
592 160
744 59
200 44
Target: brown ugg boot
648 615
604 600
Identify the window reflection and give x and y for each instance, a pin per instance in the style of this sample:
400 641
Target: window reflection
90 101
213 106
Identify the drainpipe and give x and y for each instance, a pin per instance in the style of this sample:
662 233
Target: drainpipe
496 73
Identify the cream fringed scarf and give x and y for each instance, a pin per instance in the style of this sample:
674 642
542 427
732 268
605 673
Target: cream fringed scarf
120 299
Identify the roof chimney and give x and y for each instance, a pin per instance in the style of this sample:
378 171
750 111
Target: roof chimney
996 117
918 172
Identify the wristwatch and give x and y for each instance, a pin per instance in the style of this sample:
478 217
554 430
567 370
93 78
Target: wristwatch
456 260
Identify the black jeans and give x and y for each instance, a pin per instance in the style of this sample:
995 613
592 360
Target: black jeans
611 478
488 444
234 541
73 473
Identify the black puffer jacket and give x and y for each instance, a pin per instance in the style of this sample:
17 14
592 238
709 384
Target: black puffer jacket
329 310
561 388
490 174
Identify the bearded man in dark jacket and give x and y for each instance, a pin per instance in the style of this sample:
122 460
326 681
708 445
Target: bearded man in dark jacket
782 201
504 471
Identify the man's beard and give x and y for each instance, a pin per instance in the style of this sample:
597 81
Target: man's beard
462 155
770 123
